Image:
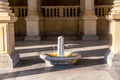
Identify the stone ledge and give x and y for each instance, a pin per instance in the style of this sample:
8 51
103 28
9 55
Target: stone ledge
32 38
90 37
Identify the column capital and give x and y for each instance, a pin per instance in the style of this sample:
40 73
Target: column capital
115 11
6 14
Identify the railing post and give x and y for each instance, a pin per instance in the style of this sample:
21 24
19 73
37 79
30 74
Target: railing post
61 11
16 11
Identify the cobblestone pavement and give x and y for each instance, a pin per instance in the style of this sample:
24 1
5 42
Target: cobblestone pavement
90 67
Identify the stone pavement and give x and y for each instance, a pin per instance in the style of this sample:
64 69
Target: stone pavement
90 67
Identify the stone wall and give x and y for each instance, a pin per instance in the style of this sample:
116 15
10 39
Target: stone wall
66 26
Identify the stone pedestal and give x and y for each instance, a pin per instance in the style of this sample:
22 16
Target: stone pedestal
32 21
89 20
113 56
8 58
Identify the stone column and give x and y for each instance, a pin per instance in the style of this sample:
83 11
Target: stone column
89 20
32 21
8 58
113 56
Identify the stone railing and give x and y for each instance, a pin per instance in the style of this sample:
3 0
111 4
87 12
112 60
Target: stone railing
61 11
102 10
20 11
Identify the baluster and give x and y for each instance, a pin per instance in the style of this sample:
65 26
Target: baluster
68 12
45 12
65 9
49 11
107 10
16 11
24 13
61 12
57 12
53 11
76 12
72 12
98 11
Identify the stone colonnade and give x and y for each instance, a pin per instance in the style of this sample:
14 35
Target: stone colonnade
8 58
34 20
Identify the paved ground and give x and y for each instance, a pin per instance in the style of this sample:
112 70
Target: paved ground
90 67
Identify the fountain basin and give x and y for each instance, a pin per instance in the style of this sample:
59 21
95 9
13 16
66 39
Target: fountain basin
54 60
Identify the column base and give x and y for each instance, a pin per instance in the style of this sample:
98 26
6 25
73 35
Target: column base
32 38
90 37
113 61
8 62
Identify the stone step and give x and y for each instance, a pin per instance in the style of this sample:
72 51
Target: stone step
65 37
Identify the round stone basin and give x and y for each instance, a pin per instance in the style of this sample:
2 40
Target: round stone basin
54 60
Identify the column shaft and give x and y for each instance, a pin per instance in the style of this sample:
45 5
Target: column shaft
89 20
32 21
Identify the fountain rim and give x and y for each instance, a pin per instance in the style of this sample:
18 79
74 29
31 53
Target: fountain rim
77 55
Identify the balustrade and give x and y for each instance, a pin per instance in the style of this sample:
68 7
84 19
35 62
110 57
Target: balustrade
61 11
102 10
20 11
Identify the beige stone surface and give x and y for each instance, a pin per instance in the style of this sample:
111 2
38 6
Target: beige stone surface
61 26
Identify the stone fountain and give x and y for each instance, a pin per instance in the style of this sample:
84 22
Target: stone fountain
60 58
